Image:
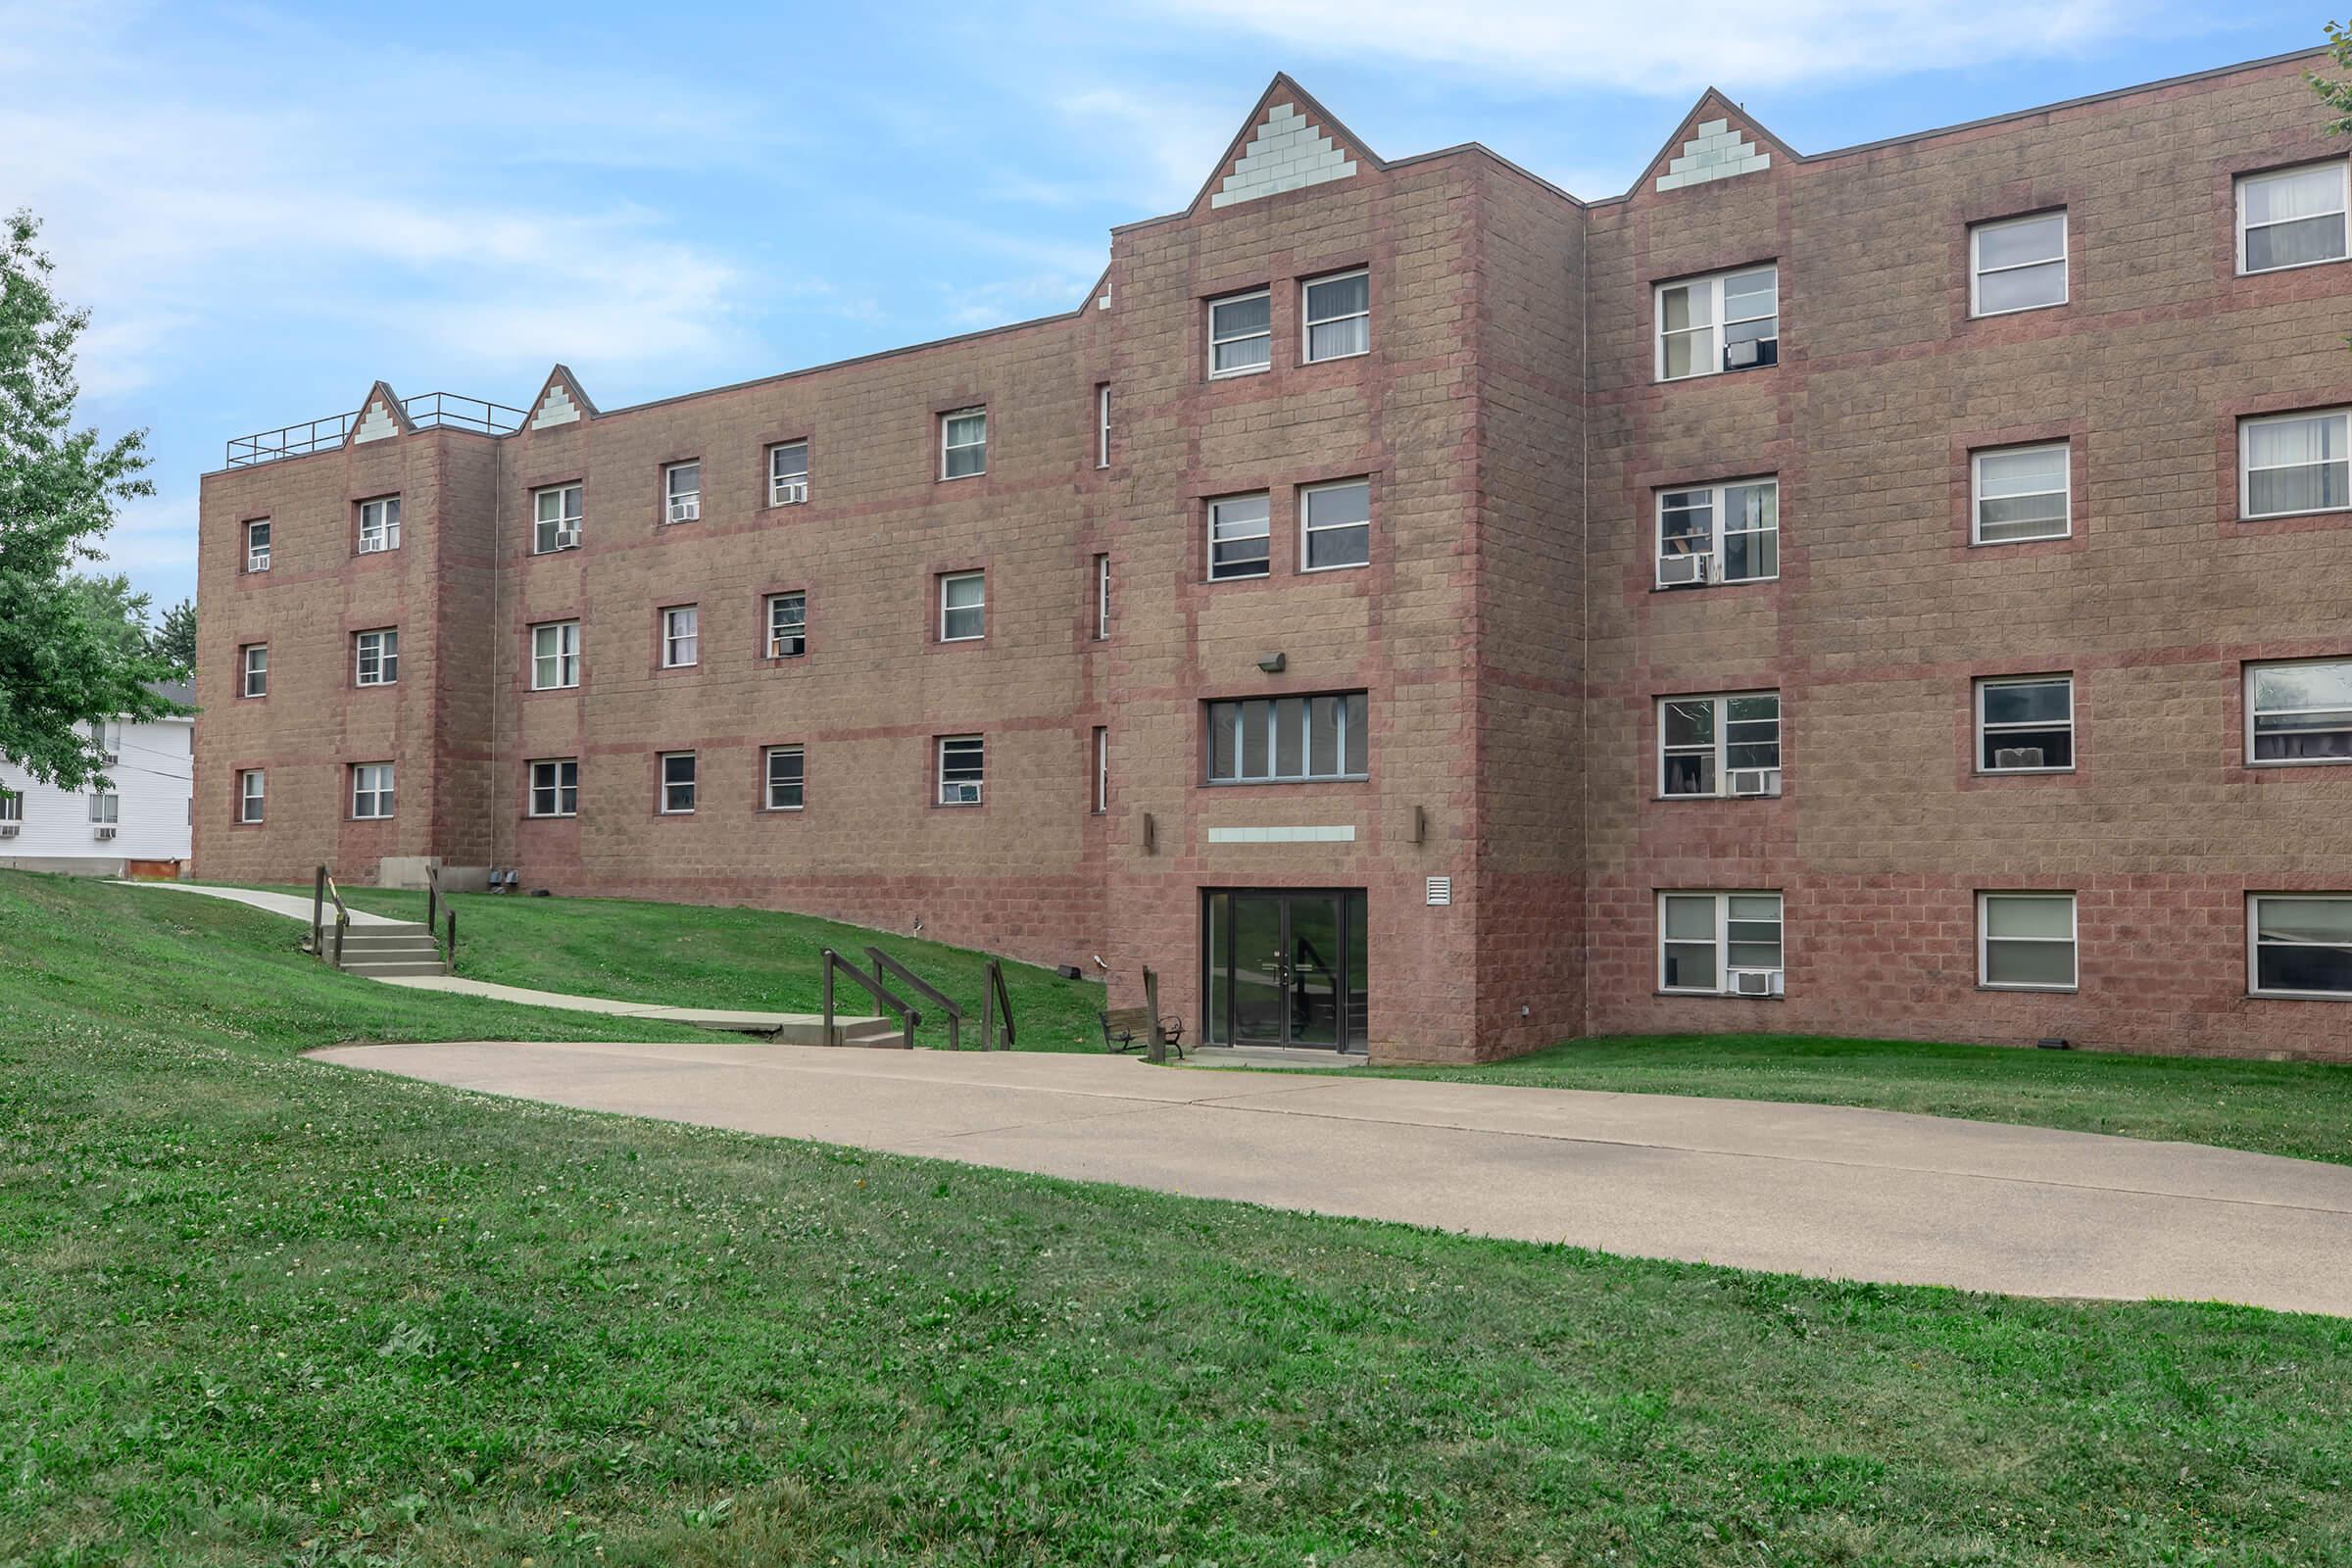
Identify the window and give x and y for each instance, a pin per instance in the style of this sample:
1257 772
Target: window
554 656
682 492
1102 769
379 525
788 473
556 788
1720 745
2018 264
787 779
963 444
963 766
1726 532
2301 945
250 786
2026 725
555 514
1720 944
379 658
2299 713
787 625
372 790
681 637
12 806
2021 493
964 607
257 669
1102 424
1730 322
106 807
677 783
1241 333
1336 525
1102 597
1337 312
2291 218
1288 740
2026 941
1239 531
257 546
2294 463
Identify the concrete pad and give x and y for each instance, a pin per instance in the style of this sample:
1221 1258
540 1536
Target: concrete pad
1817 1189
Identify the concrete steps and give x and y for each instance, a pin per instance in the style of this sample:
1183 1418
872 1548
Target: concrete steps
382 952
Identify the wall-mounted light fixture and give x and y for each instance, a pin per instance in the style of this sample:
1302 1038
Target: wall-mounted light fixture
1273 664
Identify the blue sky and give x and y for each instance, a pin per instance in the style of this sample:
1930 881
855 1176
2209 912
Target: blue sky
265 207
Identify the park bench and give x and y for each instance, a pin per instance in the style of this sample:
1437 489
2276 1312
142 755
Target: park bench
1125 1028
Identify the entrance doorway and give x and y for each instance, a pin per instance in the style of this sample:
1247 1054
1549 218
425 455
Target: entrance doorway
1285 966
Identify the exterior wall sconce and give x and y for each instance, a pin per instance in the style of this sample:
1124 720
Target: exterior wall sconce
1273 664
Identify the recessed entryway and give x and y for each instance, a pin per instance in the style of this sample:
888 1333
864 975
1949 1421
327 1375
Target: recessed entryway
1285 966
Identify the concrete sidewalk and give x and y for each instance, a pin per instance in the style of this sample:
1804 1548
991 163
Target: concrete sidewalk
1814 1189
292 905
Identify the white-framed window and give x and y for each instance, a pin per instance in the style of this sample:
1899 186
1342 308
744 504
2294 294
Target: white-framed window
2021 493
1720 944
1709 746
379 662
254 667
1102 597
1728 321
371 790
682 492
681 636
788 473
12 805
1239 536
2299 945
556 518
787 778
380 524
962 770
2299 711
1102 768
677 783
2026 941
555 786
1334 525
1726 532
962 607
106 807
963 444
2291 217
2017 264
1338 313
554 656
2025 725
1102 424
1289 740
787 625
1241 333
257 545
2294 463
251 790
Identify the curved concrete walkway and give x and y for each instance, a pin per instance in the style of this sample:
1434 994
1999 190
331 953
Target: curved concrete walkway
292 905
1818 1189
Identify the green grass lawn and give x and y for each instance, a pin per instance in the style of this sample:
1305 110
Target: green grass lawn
254 1309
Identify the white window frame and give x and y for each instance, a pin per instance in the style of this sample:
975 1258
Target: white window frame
947 581
2252 714
1977 271
253 789
1236 712
681 637
1722 898
2073 942
787 487
258 560
1309 528
1981 764
248 669
682 505
2237 191
949 447
379 520
1719 748
1308 321
692 783
1713 283
555 786
976 787
775 635
769 782
1102 424
1102 768
106 809
566 516
387 656
12 805
1102 597
2245 467
1215 510
1718 509
2065 491
2255 944
375 782
1266 332
564 655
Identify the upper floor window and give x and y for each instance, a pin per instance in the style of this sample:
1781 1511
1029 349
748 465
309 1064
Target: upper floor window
2299 713
1102 768
2291 217
1239 531
257 545
1102 597
2300 944
679 783
1728 532
379 525
106 809
1288 740
371 790
2026 941
681 637
787 778
556 518
2025 725
1241 333
1720 745
962 770
555 786
249 794
2018 264
12 805
2294 463
379 658
788 473
1337 313
1102 424
1334 525
256 670
963 444
962 607
787 625
554 656
1729 322
2021 493
682 492
1720 944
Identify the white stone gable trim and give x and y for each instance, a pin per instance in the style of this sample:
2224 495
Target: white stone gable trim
375 423
1716 151
556 408
1286 154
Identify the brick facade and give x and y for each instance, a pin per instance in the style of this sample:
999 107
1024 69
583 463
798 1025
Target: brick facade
1508 631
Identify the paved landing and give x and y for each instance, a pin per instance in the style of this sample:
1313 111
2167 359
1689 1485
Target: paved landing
1815 1190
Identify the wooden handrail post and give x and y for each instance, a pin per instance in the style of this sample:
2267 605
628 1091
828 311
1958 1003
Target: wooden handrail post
1156 1044
317 914
452 916
831 960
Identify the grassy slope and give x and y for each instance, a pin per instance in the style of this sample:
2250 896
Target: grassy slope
254 1309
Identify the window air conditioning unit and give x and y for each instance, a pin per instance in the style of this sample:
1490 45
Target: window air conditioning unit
792 493
113 759
1756 982
567 538
686 509
368 547
1674 570
8 830
2018 757
1753 354
102 833
1755 781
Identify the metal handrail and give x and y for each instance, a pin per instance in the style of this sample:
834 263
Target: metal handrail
910 1018
425 410
996 1000
947 1004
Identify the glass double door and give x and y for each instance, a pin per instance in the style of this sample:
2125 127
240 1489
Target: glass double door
1286 967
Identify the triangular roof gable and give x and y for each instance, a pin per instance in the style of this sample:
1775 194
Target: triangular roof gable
1716 140
1288 142
381 416
559 401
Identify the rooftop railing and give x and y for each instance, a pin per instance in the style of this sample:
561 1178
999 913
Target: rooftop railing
425 410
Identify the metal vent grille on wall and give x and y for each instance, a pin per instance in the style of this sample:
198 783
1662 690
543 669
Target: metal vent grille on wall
1441 890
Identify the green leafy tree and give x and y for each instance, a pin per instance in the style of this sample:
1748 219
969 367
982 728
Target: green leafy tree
64 658
174 637
2336 94
115 610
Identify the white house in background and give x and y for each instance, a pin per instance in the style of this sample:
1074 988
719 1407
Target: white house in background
139 826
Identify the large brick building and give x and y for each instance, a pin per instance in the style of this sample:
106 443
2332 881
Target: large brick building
1904 590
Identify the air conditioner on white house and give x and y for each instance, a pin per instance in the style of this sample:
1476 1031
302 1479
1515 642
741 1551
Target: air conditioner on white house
1756 982
8 830
1755 781
102 833
1674 570
113 759
567 538
2016 757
